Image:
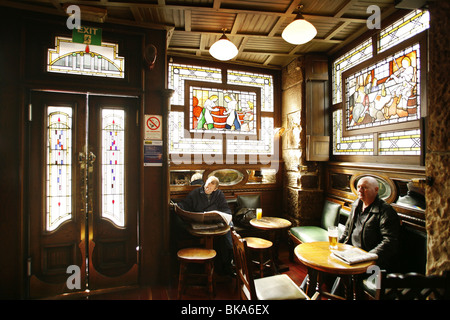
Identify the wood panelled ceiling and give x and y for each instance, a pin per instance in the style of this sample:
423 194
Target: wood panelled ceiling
254 26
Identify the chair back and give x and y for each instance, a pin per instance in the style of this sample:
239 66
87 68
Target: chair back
415 286
330 214
249 201
245 278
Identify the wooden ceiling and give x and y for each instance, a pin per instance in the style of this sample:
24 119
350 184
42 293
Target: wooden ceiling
254 26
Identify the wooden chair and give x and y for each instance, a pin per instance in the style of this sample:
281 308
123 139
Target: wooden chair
413 286
196 256
277 287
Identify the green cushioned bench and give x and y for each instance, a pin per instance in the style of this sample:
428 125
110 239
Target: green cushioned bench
302 234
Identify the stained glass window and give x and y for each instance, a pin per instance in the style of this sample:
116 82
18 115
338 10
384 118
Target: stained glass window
355 56
217 109
179 73
59 166
263 81
387 92
113 165
410 25
71 57
354 145
399 143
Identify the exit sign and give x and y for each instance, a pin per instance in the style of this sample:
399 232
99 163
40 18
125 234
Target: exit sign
87 35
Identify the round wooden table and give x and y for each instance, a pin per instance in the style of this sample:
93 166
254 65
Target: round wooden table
209 234
270 223
273 225
317 256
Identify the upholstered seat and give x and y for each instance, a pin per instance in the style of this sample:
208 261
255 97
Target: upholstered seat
309 233
278 287
330 216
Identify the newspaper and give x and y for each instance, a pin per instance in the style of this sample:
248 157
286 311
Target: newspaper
204 220
353 255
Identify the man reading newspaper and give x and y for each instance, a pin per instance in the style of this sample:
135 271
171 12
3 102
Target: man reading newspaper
206 198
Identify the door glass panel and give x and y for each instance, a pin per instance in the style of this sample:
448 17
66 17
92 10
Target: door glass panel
113 175
59 165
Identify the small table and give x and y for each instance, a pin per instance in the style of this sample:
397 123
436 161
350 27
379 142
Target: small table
273 225
209 234
317 256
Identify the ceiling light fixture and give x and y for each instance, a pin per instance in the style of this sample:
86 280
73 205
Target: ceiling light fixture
299 31
223 49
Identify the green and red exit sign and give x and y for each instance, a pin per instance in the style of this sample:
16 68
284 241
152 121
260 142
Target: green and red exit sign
87 35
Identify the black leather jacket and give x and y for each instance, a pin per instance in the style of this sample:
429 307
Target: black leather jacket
379 234
198 201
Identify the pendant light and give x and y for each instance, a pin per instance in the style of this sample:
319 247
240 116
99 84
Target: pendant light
299 31
223 49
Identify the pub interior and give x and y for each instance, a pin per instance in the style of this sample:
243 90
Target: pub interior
113 112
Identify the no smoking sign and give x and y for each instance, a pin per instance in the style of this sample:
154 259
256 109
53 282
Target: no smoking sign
153 127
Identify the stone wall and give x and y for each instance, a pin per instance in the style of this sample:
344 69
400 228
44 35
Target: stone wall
437 160
303 198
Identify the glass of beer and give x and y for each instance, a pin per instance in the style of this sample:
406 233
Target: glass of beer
333 237
258 213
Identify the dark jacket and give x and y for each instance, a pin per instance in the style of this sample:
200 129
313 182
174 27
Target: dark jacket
379 234
197 201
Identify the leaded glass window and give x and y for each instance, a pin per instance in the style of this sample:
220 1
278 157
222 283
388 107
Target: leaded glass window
355 56
354 145
387 92
70 57
235 117
263 81
399 143
382 98
217 110
405 28
178 74
113 165
59 166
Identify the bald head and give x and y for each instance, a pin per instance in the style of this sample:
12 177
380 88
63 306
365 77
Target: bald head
367 190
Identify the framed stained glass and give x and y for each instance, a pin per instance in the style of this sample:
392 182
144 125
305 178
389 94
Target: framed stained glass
218 112
387 92
71 58
59 166
113 165
219 109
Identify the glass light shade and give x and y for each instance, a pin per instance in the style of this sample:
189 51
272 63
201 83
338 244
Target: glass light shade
299 31
223 49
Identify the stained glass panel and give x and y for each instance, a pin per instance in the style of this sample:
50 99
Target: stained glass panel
263 81
386 92
355 145
405 28
71 57
113 165
59 166
207 140
179 73
399 143
355 56
216 110
179 146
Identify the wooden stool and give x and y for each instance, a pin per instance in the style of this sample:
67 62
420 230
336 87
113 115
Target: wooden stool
197 256
260 245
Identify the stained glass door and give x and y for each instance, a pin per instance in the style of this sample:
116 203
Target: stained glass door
82 192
